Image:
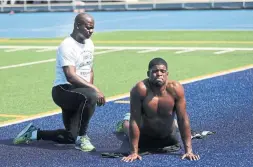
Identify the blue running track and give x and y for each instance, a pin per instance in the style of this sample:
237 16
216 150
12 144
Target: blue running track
38 25
223 104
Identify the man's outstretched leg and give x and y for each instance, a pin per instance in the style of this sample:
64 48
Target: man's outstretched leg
28 134
61 136
76 124
31 133
76 120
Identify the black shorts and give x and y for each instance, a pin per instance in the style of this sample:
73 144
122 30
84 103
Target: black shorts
147 142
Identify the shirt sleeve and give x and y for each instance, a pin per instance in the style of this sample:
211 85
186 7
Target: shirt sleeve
66 56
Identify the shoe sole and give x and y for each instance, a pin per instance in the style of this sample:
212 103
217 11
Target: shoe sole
23 131
78 148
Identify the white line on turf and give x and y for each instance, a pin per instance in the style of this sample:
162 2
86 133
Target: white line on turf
134 48
26 64
109 49
49 60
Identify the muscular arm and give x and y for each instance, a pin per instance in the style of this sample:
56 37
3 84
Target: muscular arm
74 79
182 116
135 119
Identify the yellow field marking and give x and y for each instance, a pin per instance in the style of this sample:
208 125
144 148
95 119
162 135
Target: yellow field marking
113 98
12 116
4 40
126 41
31 117
52 112
122 101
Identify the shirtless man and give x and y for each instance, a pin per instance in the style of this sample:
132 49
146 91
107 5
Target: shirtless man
154 102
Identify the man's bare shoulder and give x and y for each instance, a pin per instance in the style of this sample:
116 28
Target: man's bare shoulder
175 88
140 87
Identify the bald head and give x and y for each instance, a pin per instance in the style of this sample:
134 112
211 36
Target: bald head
83 18
83 26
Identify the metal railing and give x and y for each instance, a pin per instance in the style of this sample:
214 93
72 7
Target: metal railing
101 5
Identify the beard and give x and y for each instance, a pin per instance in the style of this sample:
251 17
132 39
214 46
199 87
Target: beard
158 83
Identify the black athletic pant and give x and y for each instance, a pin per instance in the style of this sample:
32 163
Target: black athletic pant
78 106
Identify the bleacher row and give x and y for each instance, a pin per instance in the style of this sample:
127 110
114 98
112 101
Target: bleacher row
12 2
118 5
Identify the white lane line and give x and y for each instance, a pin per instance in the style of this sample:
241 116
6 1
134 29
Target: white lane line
134 48
14 50
49 60
223 51
147 51
45 50
184 51
108 51
27 64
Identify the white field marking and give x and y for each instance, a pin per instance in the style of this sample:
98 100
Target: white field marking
14 50
49 60
134 48
55 112
26 47
174 48
113 49
149 50
108 51
196 79
223 51
184 51
45 50
26 64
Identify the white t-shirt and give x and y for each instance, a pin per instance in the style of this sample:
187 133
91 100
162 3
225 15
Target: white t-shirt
70 52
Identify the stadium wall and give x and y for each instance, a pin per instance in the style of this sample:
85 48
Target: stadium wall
120 5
